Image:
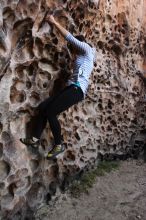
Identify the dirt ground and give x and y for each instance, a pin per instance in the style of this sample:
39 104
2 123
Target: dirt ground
118 195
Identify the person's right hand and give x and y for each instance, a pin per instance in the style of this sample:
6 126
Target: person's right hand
50 18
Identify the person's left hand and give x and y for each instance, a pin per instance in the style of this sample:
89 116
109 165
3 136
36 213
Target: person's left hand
50 18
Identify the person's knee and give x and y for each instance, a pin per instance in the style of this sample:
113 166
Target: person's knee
46 111
51 118
50 114
41 108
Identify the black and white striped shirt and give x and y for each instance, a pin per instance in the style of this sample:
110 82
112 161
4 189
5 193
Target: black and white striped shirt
83 64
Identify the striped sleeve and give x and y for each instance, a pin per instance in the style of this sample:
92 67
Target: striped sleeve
82 46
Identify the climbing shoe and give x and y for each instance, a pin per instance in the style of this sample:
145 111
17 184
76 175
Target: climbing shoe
55 151
34 142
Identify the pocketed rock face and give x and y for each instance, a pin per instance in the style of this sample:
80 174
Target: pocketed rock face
35 62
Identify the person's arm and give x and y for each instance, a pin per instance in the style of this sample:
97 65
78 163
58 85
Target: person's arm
61 29
82 46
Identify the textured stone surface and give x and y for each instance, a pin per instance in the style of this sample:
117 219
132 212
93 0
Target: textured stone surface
34 63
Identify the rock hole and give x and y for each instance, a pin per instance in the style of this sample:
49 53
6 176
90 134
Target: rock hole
8 14
30 70
34 165
45 85
28 84
17 96
70 155
117 49
100 44
2 186
77 136
44 75
35 195
77 118
114 123
4 170
1 150
1 127
22 24
12 187
52 188
6 136
100 107
34 98
55 41
53 171
2 43
48 198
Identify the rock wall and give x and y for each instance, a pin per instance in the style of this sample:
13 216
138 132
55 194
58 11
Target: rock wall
35 63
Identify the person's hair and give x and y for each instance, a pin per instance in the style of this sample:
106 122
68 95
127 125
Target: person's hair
80 38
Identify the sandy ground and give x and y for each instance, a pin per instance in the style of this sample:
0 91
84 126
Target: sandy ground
119 195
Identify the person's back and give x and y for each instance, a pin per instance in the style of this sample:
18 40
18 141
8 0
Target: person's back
83 64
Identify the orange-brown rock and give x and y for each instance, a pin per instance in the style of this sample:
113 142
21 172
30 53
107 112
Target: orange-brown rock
34 63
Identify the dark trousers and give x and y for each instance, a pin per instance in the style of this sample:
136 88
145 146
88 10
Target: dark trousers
54 105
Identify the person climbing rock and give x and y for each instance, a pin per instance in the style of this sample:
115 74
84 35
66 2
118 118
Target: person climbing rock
83 57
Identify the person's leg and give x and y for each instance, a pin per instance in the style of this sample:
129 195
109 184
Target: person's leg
53 106
41 119
42 116
40 122
66 99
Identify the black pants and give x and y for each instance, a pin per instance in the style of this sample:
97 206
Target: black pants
54 105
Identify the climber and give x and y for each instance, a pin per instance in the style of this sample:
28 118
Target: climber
74 92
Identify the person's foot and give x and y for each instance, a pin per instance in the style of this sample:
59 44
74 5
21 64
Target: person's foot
55 151
34 142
